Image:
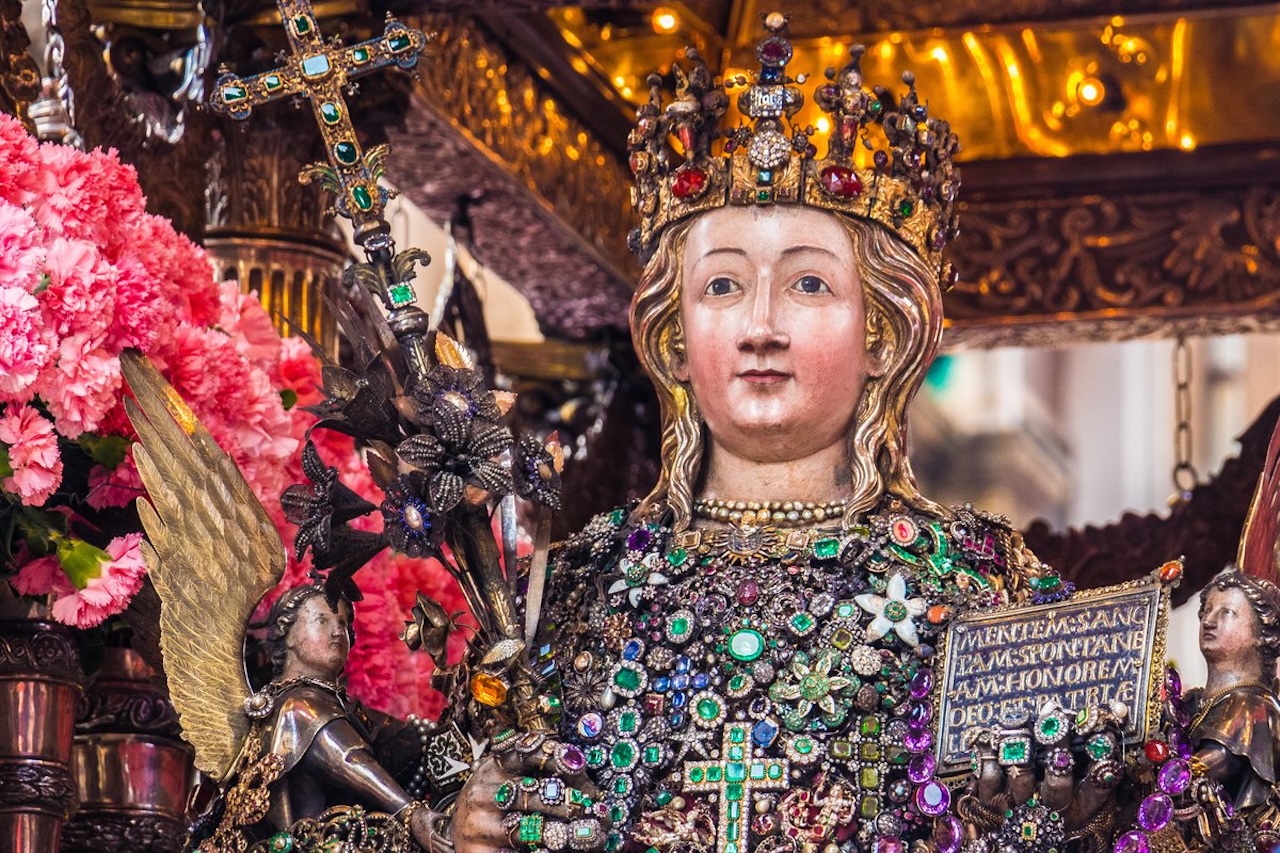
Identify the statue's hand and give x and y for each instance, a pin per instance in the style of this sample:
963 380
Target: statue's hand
427 828
532 788
1056 774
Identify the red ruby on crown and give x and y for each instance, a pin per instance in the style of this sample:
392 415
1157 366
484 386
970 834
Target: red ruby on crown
840 181
688 182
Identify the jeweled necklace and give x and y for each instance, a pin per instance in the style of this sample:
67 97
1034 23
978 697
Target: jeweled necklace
776 513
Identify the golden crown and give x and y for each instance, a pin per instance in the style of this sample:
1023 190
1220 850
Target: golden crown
910 187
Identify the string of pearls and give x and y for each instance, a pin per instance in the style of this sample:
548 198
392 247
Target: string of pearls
768 512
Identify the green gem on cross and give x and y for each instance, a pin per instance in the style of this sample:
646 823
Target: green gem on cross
401 295
346 153
361 196
331 113
734 777
399 42
302 24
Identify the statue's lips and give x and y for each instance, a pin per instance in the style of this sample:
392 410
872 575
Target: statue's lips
764 377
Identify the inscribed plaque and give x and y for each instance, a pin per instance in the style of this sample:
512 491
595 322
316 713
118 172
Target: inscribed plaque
1100 646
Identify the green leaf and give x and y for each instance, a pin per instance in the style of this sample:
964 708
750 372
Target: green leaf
107 450
81 561
289 397
6 470
45 281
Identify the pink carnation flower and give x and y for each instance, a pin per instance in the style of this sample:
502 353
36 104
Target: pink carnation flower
244 319
87 196
111 591
25 343
114 487
21 248
42 576
32 447
21 156
80 299
81 387
144 316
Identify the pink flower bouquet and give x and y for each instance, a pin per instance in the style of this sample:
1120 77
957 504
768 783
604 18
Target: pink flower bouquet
86 272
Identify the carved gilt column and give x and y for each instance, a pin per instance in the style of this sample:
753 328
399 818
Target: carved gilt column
271 233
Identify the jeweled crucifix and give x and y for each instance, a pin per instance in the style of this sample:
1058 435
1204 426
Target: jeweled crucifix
319 71
734 777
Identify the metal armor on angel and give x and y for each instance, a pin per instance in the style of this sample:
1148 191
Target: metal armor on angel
297 759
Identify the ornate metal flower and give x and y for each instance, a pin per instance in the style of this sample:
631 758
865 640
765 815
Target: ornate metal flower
458 388
894 612
809 683
359 404
537 474
317 507
409 522
460 453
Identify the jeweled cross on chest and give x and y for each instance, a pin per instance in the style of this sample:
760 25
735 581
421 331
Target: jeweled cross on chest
733 778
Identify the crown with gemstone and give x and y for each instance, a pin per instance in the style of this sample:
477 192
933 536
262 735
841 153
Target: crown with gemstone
909 188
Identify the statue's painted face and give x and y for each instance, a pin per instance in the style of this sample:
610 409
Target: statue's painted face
775 336
320 640
1229 627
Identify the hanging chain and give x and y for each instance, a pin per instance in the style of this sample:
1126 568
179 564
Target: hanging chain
1184 473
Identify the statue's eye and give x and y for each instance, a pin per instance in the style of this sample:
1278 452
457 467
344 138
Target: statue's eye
812 284
720 286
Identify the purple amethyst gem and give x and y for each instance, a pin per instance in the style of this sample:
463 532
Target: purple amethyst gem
921 683
1173 682
920 715
1155 812
918 740
1181 743
920 768
948 833
888 845
639 539
572 758
1132 842
1174 776
933 798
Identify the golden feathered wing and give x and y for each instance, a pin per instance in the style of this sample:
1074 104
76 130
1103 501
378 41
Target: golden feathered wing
212 553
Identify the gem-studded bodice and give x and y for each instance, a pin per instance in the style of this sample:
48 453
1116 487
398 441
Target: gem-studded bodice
757 689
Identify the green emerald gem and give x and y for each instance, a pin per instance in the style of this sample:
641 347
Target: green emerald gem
677 556
736 771
360 55
505 793
617 517
764 195
737 734
845 610
895 611
870 726
401 295
757 771
362 198
696 774
1050 727
302 25
708 709
664 797
802 622
1013 751
398 42
627 679
272 82
346 153
623 755
652 754
628 722
282 842
869 778
715 774
906 208
733 792
746 645
596 756
826 549
775 771
679 626
330 113
231 94
803 745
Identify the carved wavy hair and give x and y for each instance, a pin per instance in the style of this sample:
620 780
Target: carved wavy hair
903 306
1264 597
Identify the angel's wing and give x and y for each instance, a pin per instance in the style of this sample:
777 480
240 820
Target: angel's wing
1260 545
212 554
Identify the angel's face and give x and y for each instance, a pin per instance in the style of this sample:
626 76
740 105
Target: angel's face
319 640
